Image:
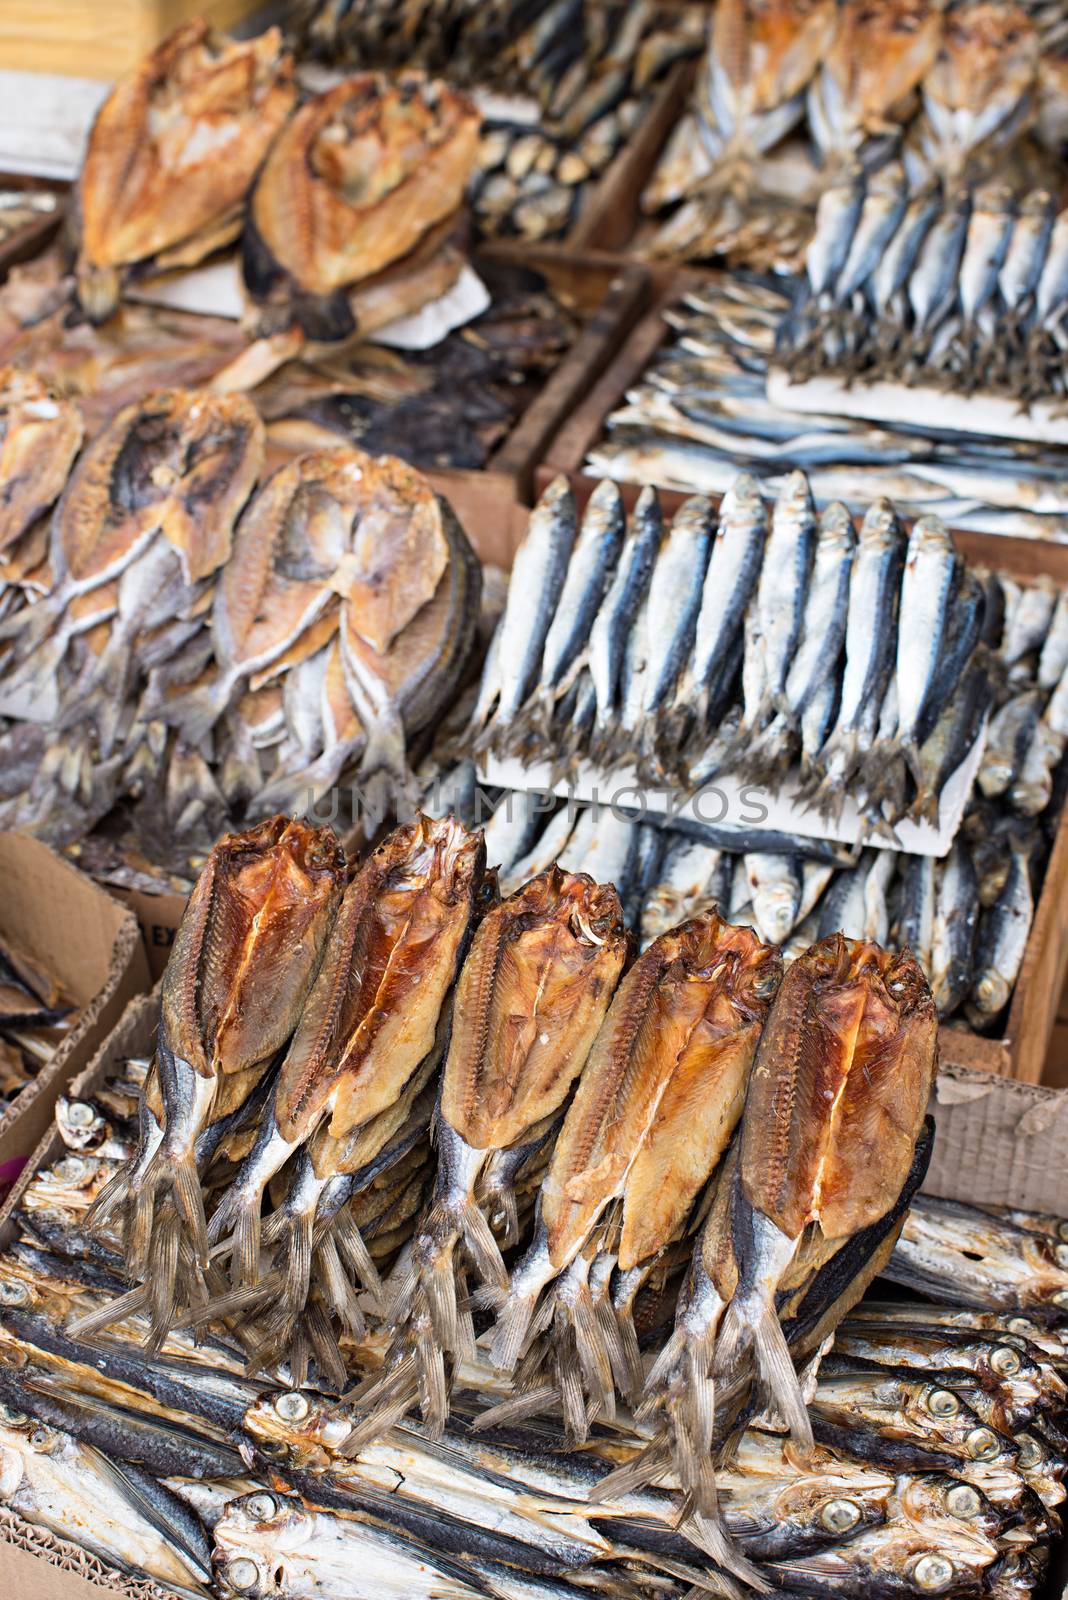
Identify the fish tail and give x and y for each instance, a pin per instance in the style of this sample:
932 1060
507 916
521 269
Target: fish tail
510 1334
197 711
245 1246
631 1375
709 1535
572 1402
647 1466
228 1302
337 1290
433 1388
764 1334
592 1352
354 1252
112 1199
328 1358
531 1403
296 1252
482 1246
130 1304
163 1279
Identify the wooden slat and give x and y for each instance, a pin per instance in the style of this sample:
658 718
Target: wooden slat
98 38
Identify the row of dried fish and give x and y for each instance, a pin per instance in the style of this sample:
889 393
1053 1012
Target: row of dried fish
790 94
582 1118
966 919
936 1462
587 71
195 643
938 1466
36 1014
701 410
766 642
344 205
966 290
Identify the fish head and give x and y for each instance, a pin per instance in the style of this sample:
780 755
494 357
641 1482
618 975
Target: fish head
295 1426
748 970
880 527
835 1504
902 1559
787 39
927 1497
989 50
70 1185
252 1539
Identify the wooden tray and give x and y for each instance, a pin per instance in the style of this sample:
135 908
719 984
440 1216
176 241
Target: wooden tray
491 503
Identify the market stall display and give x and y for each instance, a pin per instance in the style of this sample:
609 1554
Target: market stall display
937 1449
791 97
156 659
569 85
694 407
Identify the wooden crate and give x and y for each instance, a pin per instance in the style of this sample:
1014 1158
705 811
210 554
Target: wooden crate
99 38
1033 1014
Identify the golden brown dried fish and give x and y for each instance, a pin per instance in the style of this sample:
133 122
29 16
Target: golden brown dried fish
352 185
40 435
372 1015
659 1098
531 996
881 52
245 957
172 154
979 88
836 1101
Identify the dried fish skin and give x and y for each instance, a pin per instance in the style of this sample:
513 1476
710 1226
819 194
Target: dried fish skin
351 186
533 992
825 1073
173 152
372 1013
40 436
703 1099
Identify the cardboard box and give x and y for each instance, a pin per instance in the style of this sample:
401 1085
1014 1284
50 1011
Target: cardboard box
99 38
158 916
996 1142
95 949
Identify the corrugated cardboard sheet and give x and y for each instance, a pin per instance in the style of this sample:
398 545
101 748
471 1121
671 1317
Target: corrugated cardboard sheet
95 949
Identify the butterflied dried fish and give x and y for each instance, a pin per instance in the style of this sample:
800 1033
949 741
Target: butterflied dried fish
354 184
265 902
172 154
532 994
849 1047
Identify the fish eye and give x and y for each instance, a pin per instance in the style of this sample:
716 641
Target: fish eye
80 1114
1030 1450
1005 1360
942 1403
932 1572
13 1293
12 1416
963 1501
70 1169
261 1507
292 1407
42 1438
242 1574
982 1444
839 1516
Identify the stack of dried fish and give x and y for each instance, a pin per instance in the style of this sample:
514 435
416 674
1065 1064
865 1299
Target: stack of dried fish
589 69
965 290
204 651
933 1445
966 919
36 1014
772 643
701 409
792 93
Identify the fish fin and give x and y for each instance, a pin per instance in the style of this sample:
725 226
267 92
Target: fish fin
510 1334
386 1398
631 1376
131 1304
328 1358
709 1535
353 1250
532 1403
652 1463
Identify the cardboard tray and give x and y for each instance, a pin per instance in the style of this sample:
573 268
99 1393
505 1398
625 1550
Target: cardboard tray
996 1143
94 947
